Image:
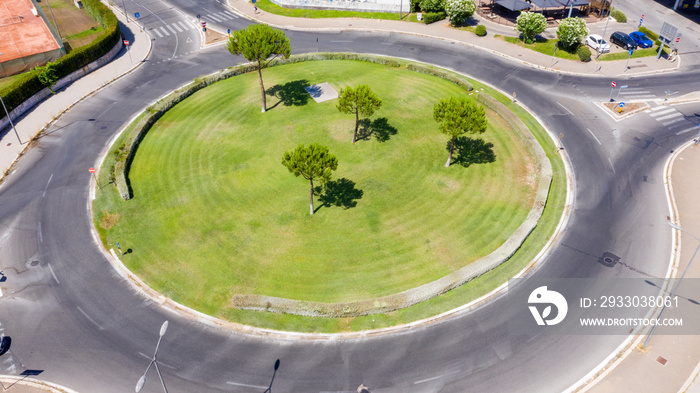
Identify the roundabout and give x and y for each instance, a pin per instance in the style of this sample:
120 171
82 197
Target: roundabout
218 225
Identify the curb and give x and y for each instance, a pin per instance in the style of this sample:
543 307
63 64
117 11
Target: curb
34 383
175 308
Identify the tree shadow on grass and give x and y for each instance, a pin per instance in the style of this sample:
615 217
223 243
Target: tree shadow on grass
379 128
470 151
290 94
341 193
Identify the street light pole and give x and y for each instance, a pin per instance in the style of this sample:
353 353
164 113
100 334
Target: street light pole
154 362
10 119
604 31
675 289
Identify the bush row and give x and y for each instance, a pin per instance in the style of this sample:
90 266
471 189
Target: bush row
430 17
652 36
584 54
618 15
28 84
120 173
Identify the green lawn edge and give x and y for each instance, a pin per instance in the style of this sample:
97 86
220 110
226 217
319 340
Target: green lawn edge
269 6
443 303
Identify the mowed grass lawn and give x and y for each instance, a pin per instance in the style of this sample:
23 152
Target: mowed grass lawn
215 213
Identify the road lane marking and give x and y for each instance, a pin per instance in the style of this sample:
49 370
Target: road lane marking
47 185
669 116
158 32
232 14
177 27
171 29
571 113
663 112
658 108
54 274
341 41
611 165
164 31
246 385
666 123
90 319
41 237
216 18
596 139
184 25
687 130
434 378
222 16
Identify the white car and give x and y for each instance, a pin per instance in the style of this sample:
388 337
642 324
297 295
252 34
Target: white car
598 43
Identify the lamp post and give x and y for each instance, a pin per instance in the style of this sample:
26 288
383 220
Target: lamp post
277 365
9 117
142 380
675 289
607 20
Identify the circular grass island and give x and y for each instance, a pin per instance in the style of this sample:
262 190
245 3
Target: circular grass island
215 215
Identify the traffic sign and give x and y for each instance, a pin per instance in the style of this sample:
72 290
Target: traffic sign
204 24
136 14
228 31
622 105
92 170
198 16
126 42
613 84
631 51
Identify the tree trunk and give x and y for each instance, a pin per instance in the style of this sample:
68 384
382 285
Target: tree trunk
311 196
262 88
357 124
449 158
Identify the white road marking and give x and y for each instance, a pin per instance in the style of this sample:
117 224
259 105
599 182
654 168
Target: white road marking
688 130
164 31
611 165
341 41
222 16
56 278
177 27
596 139
47 185
159 362
231 14
171 29
41 237
666 123
216 18
434 378
658 108
158 32
629 93
185 25
666 111
669 116
571 113
90 319
246 385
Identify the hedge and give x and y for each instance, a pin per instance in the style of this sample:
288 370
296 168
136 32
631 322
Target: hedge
618 15
430 17
120 175
584 54
480 30
652 36
28 84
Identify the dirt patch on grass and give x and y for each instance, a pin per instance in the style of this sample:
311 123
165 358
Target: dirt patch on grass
210 37
628 109
109 220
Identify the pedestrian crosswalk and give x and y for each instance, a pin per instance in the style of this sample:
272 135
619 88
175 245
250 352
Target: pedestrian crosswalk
182 25
672 119
636 93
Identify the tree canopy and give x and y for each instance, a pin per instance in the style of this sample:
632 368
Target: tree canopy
571 31
457 116
530 24
312 163
258 43
459 10
359 101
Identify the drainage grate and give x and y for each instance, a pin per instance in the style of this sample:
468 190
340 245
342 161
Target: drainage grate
661 360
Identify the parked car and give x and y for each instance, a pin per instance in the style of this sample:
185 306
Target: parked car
598 43
623 40
641 39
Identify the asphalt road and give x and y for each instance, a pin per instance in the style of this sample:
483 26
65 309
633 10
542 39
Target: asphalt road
76 322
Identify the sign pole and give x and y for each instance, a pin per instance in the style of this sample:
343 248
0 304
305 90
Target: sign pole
612 90
627 67
126 42
94 176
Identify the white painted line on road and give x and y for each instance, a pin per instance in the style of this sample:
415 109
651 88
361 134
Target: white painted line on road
171 29
185 26
211 16
571 113
666 123
341 41
596 139
629 93
41 237
47 185
688 130
434 378
158 32
658 108
669 116
246 385
666 111
54 274
222 16
232 14
611 164
175 25
164 31
90 319
640 97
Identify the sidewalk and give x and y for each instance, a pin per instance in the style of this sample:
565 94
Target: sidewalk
30 385
670 363
489 43
32 122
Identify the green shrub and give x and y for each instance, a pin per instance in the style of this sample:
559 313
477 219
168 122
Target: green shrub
415 5
459 10
432 6
456 79
430 17
584 54
29 84
618 15
480 30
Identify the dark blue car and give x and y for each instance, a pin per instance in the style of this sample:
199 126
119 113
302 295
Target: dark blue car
641 39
